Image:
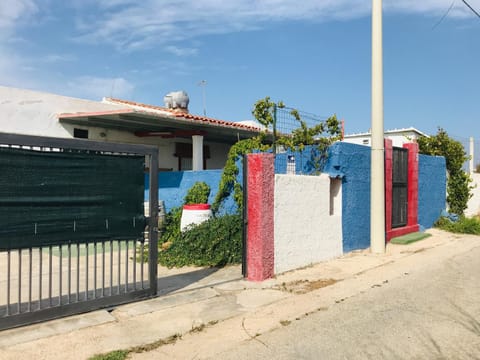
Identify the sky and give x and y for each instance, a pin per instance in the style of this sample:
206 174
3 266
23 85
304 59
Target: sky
314 55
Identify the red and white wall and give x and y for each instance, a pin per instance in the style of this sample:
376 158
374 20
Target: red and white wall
293 221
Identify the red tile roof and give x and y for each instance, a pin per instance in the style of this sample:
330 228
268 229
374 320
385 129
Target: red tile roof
183 115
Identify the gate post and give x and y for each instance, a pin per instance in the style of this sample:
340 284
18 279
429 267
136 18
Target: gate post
412 219
388 187
260 210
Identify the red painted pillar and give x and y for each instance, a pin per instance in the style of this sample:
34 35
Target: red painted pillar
260 210
412 220
388 185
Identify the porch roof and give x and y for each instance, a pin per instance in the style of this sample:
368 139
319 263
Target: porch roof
156 121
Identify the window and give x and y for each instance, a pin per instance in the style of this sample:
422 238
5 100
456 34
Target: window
184 153
185 163
80 133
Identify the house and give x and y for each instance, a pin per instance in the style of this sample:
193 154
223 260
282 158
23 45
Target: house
185 141
398 136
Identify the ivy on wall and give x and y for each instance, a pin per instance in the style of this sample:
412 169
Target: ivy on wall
218 241
322 135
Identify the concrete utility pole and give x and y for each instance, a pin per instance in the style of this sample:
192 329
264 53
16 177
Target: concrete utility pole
472 169
377 189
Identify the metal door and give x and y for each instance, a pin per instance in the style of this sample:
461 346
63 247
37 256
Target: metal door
399 187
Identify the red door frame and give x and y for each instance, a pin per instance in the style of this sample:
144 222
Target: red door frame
412 206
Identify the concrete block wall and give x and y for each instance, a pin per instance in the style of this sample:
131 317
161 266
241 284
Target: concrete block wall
298 224
474 202
307 220
174 185
432 189
351 164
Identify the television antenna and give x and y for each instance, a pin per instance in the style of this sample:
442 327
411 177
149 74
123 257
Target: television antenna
203 84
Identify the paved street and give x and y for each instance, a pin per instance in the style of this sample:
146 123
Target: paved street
433 313
415 301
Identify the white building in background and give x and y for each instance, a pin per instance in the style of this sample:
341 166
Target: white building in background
398 136
185 141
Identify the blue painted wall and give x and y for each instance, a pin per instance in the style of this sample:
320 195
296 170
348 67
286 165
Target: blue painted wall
351 162
173 186
432 183
304 161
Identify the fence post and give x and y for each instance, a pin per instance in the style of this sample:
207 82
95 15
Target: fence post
472 169
274 145
260 210
412 218
388 144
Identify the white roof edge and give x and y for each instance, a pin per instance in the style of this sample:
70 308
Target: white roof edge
136 107
392 131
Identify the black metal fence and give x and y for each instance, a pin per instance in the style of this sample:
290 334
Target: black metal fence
51 279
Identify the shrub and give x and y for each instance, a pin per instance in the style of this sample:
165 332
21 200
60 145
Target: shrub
216 242
463 225
197 194
458 185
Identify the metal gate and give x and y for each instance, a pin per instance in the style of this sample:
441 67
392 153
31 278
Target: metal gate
399 187
41 282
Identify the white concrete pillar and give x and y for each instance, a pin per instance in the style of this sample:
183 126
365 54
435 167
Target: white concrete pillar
197 152
377 187
472 169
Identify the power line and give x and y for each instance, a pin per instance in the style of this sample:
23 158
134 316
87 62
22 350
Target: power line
471 8
444 16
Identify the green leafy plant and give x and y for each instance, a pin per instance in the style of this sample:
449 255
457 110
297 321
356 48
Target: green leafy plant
458 183
463 226
197 194
264 112
113 355
215 242
228 180
218 241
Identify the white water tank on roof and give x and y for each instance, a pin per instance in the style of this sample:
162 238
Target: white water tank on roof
177 100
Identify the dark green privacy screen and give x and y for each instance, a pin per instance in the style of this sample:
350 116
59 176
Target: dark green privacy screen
61 197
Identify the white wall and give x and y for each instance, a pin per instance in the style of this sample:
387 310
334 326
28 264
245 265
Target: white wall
308 220
474 202
30 112
397 139
35 113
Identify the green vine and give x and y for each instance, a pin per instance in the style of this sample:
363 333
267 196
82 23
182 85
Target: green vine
228 180
458 183
264 113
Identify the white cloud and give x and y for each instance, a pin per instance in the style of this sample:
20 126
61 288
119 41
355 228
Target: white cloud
172 25
13 11
180 51
92 87
130 25
56 58
434 7
15 71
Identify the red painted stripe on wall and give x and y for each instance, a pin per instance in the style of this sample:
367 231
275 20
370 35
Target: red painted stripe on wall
260 209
